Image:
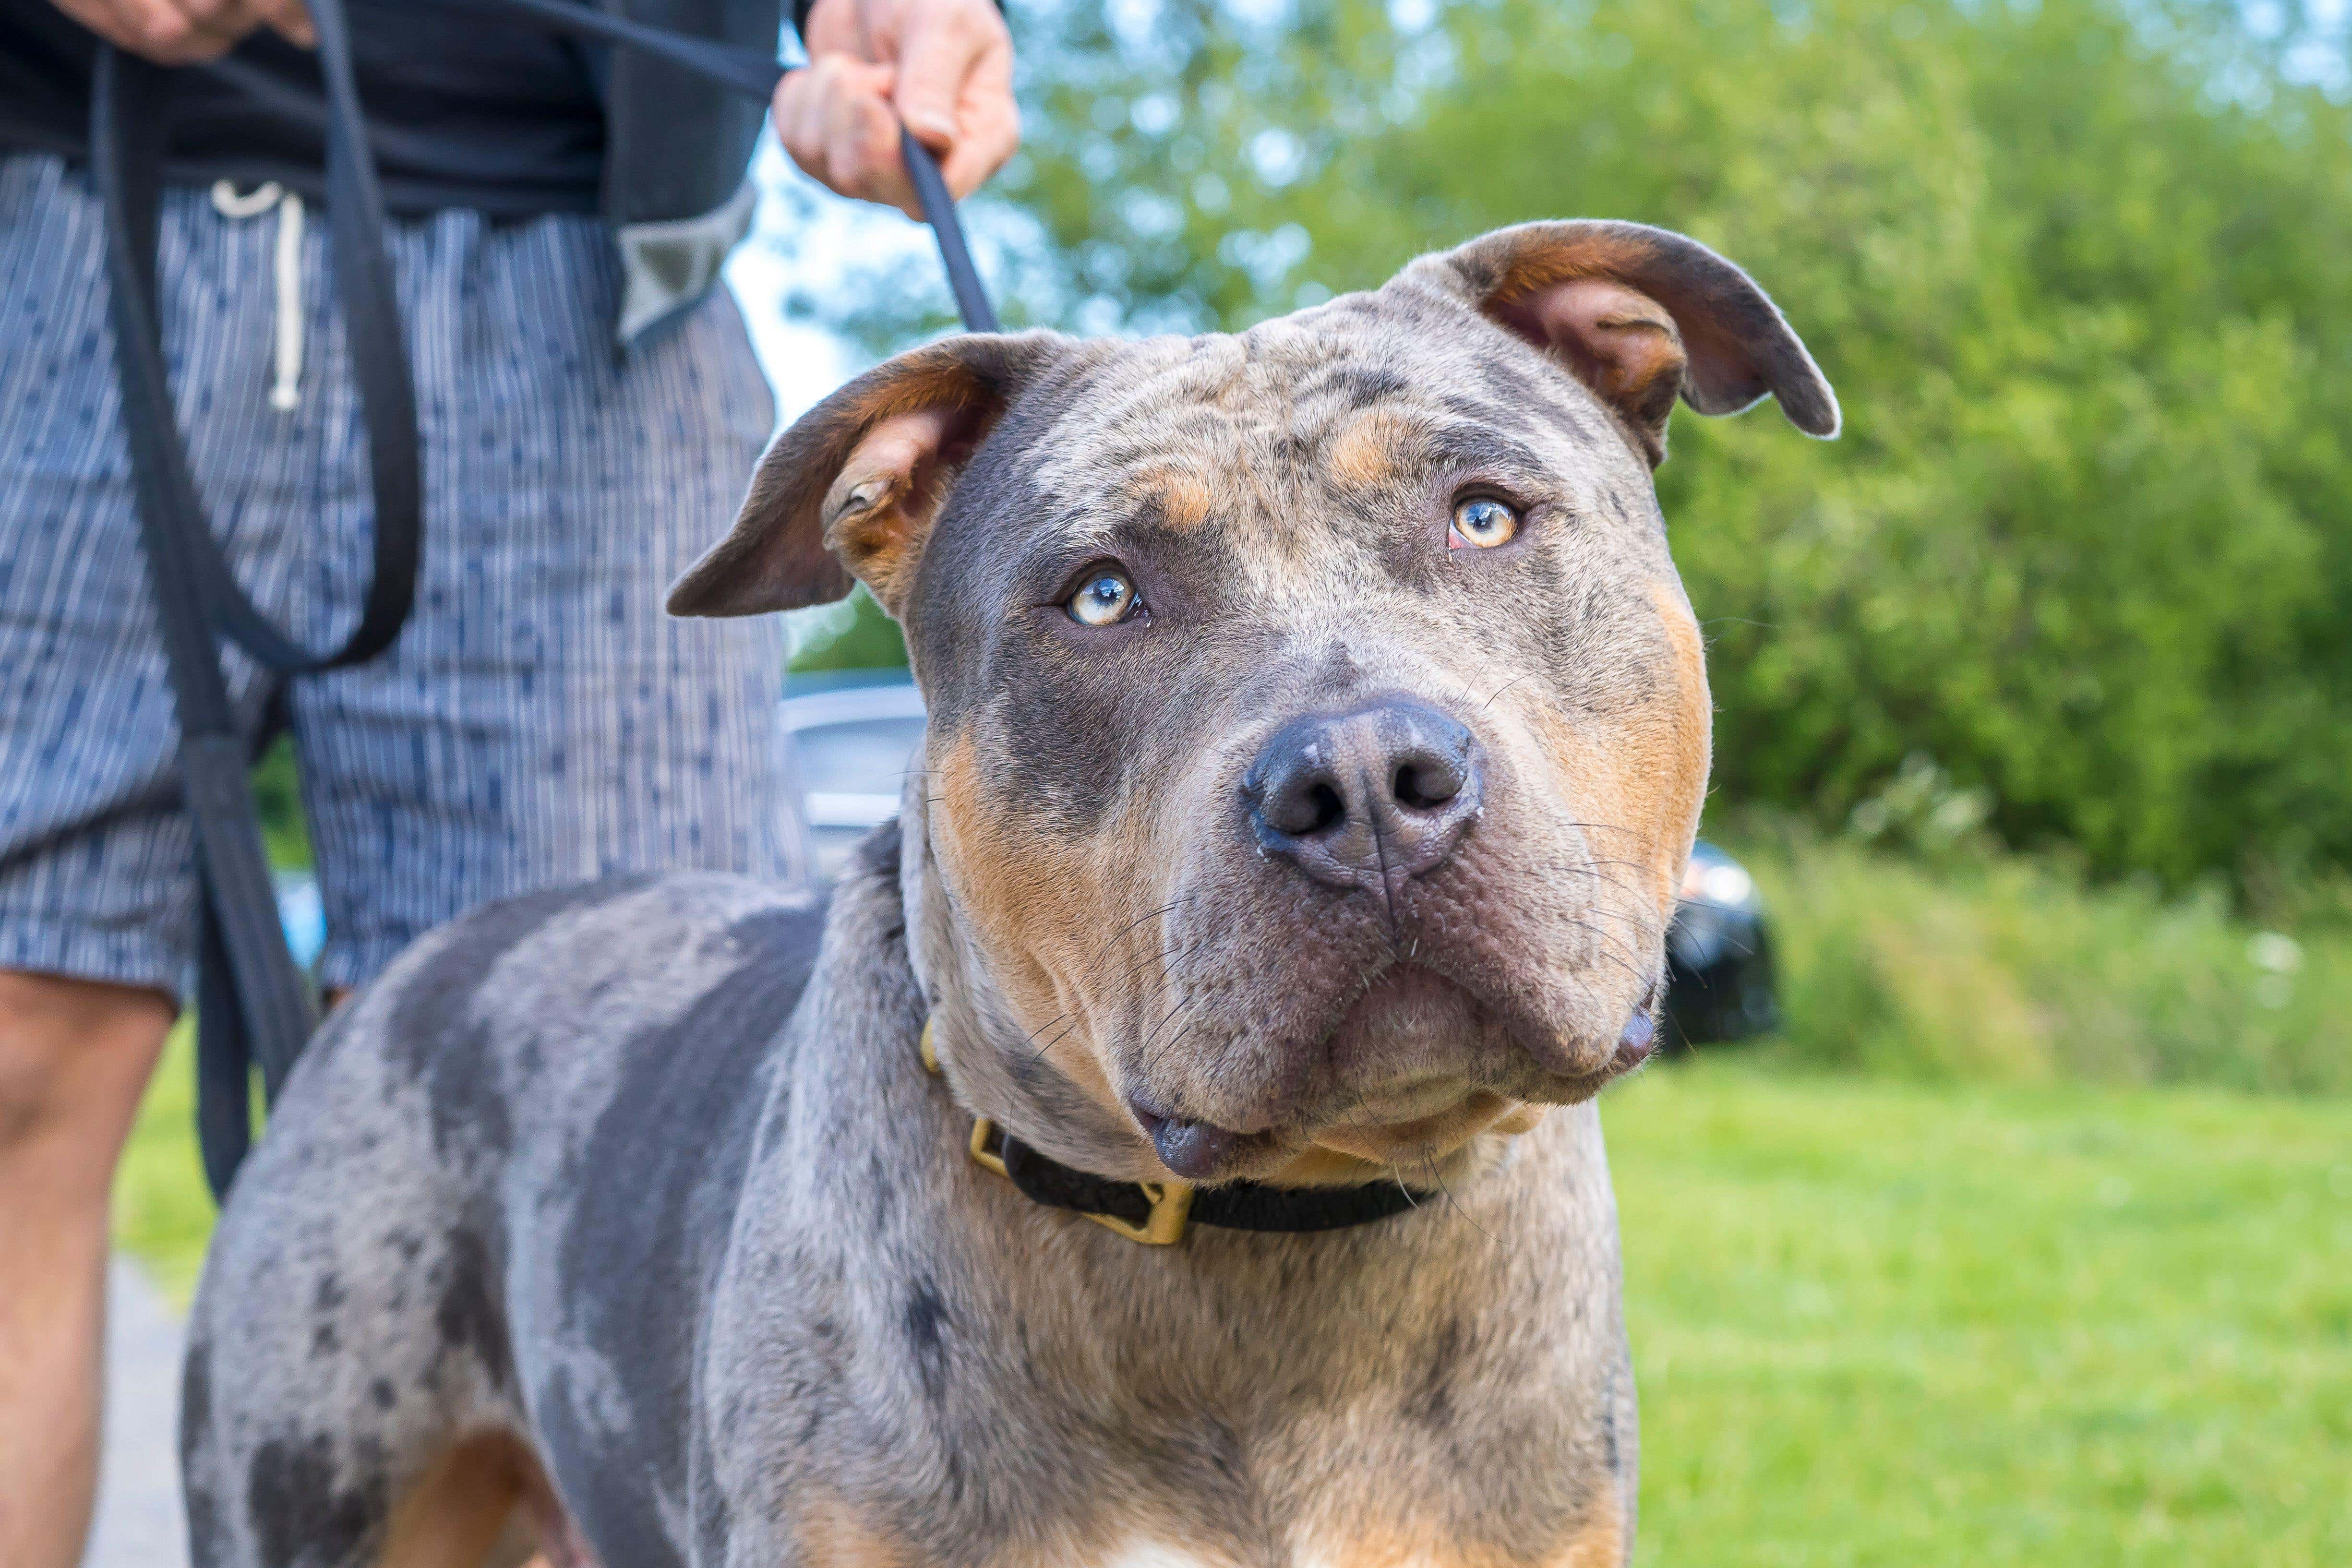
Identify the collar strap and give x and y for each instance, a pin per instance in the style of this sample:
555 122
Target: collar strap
1158 1213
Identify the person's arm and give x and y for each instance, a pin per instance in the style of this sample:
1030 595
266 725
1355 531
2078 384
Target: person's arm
942 67
182 32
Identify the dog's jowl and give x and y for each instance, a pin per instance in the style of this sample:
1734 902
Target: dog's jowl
1317 731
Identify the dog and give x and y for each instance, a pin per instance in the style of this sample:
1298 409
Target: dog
1170 1145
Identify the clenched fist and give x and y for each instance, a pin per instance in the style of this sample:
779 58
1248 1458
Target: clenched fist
941 68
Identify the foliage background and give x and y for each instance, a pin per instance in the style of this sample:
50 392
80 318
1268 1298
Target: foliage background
2076 267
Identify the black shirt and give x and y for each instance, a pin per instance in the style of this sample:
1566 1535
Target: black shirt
463 111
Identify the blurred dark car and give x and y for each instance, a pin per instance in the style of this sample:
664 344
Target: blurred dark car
1719 957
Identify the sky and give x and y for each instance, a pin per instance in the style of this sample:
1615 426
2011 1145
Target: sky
800 245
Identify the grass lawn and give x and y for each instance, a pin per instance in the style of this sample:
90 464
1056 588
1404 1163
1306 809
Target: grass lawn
1903 1325
1916 1324
162 1211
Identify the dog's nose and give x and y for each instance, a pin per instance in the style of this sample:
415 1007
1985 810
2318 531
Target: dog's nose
1385 790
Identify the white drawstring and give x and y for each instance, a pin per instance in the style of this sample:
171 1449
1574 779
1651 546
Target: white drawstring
286 395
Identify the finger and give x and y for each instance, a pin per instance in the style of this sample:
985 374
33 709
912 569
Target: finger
861 138
835 26
941 48
115 21
158 29
833 117
982 152
790 114
218 25
991 129
804 100
291 19
219 17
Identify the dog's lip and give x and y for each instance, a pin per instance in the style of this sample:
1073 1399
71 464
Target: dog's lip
1637 1041
1196 1150
1465 1111
1403 1115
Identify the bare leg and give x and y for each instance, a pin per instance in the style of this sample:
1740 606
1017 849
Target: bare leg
75 1056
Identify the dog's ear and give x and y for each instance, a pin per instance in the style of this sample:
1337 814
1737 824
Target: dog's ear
1639 315
853 486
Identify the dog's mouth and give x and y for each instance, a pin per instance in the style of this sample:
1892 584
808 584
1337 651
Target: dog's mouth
1419 1067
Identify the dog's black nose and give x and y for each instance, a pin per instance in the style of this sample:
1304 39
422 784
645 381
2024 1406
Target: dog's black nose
1385 790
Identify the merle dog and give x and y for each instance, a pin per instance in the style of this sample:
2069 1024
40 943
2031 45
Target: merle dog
1317 731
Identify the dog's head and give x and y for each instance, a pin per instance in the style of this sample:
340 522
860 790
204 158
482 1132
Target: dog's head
1318 727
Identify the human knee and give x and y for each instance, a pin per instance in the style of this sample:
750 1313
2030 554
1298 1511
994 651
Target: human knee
72 1050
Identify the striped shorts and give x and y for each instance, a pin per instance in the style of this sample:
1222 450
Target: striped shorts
539 721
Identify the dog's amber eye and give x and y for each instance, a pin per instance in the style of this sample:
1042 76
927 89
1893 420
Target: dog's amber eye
1105 598
1484 522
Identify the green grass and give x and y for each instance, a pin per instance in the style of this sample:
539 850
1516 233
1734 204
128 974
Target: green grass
1911 1325
162 1212
1907 1324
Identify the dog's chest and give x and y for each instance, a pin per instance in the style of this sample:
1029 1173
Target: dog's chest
996 1394
1338 1495
1602 1546
1354 1483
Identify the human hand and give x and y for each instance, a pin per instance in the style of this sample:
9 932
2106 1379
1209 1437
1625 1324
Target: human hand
183 32
941 68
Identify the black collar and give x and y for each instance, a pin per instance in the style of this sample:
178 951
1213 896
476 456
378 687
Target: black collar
1159 1212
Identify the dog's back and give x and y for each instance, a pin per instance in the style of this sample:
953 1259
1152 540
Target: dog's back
561 1086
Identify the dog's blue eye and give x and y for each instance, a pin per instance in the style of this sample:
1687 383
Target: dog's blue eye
1106 598
1483 522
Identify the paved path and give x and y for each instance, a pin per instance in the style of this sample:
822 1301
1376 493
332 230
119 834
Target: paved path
138 1523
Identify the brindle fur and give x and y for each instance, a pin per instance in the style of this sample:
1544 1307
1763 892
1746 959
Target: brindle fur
628 1211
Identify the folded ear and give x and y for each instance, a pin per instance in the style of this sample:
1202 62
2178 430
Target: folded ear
1639 315
853 487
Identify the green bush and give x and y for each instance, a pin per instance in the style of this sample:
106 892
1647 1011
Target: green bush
2076 267
854 635
2008 967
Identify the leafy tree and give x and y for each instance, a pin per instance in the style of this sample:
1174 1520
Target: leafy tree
2078 269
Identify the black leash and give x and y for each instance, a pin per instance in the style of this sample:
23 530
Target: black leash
255 1008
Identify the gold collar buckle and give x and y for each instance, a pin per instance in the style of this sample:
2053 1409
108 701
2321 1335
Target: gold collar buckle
1171 1201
